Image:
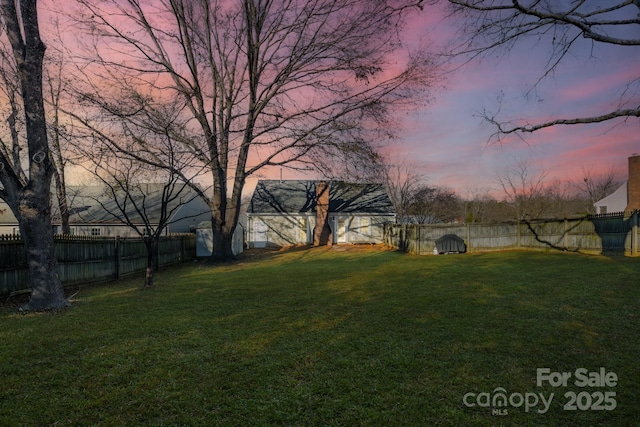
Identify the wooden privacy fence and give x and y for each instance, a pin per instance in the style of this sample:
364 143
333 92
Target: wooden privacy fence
599 234
85 259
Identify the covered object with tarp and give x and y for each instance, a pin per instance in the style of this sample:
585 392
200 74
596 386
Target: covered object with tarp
450 243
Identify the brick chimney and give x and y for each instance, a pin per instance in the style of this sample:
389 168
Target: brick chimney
322 231
633 185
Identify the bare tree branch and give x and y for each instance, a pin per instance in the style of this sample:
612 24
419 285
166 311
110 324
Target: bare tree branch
506 128
497 26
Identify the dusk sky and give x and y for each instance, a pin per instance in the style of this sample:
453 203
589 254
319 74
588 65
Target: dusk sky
448 141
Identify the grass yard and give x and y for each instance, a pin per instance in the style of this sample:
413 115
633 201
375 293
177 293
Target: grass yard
335 337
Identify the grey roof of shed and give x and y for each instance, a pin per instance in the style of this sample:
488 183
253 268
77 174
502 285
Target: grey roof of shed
299 196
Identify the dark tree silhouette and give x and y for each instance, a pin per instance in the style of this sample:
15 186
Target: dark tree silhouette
28 192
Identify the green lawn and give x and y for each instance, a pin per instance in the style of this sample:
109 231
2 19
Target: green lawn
326 337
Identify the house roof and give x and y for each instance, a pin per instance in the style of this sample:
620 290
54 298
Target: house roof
96 205
299 196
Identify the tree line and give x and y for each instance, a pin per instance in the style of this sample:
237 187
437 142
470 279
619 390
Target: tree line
522 192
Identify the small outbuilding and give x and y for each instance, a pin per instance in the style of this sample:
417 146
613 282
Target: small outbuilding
204 240
298 212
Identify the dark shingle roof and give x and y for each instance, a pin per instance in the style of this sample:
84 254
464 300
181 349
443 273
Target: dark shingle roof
298 196
95 205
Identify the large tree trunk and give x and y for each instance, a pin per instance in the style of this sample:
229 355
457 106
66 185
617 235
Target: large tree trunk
222 243
33 198
37 235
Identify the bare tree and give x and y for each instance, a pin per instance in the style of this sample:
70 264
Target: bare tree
27 192
432 205
481 206
147 207
142 196
262 84
526 190
55 86
596 186
497 26
402 180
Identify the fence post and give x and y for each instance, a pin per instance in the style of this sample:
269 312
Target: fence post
634 236
518 223
418 228
468 237
118 257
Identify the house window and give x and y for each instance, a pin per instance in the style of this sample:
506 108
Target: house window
95 231
302 230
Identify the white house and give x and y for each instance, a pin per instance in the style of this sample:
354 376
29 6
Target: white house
299 212
627 196
94 212
614 202
8 222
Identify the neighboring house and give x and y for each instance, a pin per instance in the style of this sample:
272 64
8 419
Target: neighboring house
94 212
8 222
297 212
627 196
614 202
